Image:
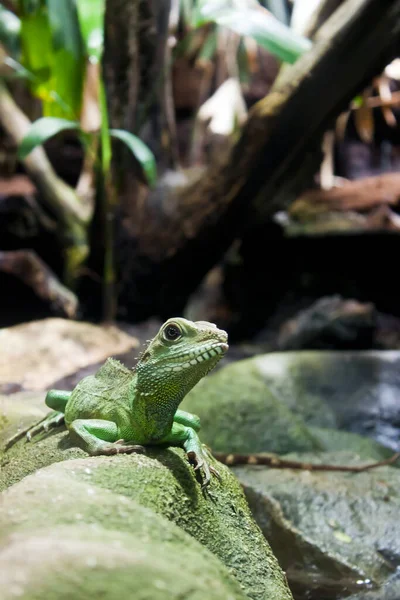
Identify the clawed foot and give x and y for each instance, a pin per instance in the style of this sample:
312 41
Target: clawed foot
54 419
200 462
119 447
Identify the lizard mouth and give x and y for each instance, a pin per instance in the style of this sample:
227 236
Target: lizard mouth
213 350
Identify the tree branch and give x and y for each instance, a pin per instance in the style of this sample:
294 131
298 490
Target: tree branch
275 159
60 197
31 270
275 462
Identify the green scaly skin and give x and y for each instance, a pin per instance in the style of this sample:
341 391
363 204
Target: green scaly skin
118 410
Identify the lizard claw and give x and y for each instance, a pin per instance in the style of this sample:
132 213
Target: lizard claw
54 419
200 463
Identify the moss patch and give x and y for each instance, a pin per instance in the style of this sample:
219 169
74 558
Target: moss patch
164 482
239 413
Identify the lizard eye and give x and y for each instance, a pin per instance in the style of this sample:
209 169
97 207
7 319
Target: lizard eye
172 332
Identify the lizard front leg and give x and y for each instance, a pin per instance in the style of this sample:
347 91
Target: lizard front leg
186 437
188 419
98 436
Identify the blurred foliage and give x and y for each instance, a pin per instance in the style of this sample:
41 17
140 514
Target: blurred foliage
248 19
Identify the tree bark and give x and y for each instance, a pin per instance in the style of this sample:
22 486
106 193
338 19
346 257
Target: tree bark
274 160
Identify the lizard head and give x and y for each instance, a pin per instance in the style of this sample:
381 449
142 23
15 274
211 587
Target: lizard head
181 354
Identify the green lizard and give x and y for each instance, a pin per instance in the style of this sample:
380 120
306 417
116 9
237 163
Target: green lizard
119 410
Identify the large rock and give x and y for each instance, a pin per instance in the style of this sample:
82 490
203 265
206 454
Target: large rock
334 533
161 480
241 412
36 354
63 537
268 402
336 439
360 388
389 591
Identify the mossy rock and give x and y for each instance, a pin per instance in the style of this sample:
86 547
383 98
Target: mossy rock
280 372
163 481
240 413
64 538
366 448
334 533
359 387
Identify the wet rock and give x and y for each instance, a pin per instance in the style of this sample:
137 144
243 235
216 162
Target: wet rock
163 481
239 412
360 388
249 406
36 354
389 591
368 449
334 533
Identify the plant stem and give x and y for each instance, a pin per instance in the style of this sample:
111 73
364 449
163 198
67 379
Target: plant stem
109 201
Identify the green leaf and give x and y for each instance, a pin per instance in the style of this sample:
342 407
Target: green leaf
91 21
10 30
52 50
141 152
36 46
64 23
68 60
209 46
41 130
267 31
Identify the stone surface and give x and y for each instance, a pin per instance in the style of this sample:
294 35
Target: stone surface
265 403
36 354
164 482
368 449
389 591
239 412
18 411
334 533
360 388
62 537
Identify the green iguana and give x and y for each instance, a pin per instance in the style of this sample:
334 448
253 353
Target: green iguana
119 410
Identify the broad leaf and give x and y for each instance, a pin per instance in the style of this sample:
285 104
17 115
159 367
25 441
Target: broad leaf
91 21
68 60
36 46
141 152
256 23
41 130
52 50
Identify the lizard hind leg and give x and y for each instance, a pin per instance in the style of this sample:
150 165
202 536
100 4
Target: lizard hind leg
57 400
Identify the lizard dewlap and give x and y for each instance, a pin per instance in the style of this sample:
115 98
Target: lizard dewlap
119 410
